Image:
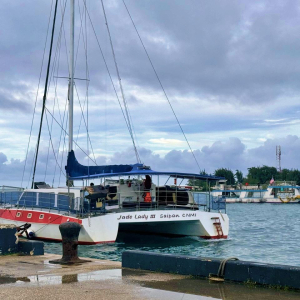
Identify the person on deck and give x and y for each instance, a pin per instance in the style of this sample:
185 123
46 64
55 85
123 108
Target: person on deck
147 183
147 187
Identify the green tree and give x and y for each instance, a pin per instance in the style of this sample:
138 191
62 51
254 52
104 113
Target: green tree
239 176
228 174
261 174
294 175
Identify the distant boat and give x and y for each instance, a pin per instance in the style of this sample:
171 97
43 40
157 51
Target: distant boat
129 198
285 193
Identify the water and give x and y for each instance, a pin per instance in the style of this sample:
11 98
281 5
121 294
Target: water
267 233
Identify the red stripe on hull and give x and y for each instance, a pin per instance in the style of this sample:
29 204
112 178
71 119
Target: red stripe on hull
22 215
215 237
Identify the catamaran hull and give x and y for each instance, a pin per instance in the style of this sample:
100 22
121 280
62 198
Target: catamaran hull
105 228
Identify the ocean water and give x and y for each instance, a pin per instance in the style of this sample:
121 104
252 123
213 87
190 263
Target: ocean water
258 232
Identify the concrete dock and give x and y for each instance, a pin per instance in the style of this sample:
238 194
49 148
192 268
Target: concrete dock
33 277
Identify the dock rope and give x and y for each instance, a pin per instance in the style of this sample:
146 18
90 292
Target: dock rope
220 275
222 266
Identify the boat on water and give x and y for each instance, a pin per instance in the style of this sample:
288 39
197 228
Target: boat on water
126 198
280 193
122 203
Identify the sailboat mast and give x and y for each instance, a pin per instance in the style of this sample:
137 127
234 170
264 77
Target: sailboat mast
45 96
71 80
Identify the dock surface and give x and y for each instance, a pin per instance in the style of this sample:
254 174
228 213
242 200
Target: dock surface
33 277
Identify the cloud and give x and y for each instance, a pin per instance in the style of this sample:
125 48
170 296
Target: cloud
3 158
229 69
230 153
10 103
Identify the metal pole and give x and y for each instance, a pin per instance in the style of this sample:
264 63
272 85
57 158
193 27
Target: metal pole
209 196
71 82
157 193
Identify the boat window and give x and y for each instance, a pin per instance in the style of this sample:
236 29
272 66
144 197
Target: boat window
29 216
18 214
41 216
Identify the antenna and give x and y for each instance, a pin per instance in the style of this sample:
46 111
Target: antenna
278 158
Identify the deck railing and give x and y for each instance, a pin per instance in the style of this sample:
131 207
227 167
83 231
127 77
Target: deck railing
35 200
82 207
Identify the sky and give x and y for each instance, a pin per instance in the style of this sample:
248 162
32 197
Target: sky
231 71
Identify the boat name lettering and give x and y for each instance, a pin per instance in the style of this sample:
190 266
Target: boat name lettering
170 216
128 217
189 215
141 217
162 216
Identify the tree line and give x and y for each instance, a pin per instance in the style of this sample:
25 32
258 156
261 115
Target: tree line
256 176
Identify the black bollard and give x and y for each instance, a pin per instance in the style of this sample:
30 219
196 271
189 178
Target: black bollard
69 233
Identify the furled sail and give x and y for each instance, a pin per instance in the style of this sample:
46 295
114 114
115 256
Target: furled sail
75 169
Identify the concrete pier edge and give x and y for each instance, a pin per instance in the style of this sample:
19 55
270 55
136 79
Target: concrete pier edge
273 275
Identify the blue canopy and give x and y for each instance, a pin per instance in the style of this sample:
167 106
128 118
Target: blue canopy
76 171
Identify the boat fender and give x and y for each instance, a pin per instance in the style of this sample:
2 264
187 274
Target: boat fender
31 234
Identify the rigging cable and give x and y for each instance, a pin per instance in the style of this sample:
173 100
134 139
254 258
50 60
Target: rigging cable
81 25
46 169
121 86
55 68
61 126
63 151
57 101
82 114
87 92
45 93
86 125
52 142
60 138
36 97
84 37
160 83
106 66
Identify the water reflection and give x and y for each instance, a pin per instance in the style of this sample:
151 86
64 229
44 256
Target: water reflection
158 286
208 290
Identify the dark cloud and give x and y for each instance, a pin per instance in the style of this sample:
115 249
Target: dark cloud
3 158
9 103
237 52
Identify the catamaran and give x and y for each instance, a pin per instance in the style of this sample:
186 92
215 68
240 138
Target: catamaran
112 199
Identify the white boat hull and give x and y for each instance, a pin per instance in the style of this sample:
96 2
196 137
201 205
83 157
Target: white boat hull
262 200
105 228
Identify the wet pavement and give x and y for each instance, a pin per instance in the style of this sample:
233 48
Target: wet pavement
23 277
